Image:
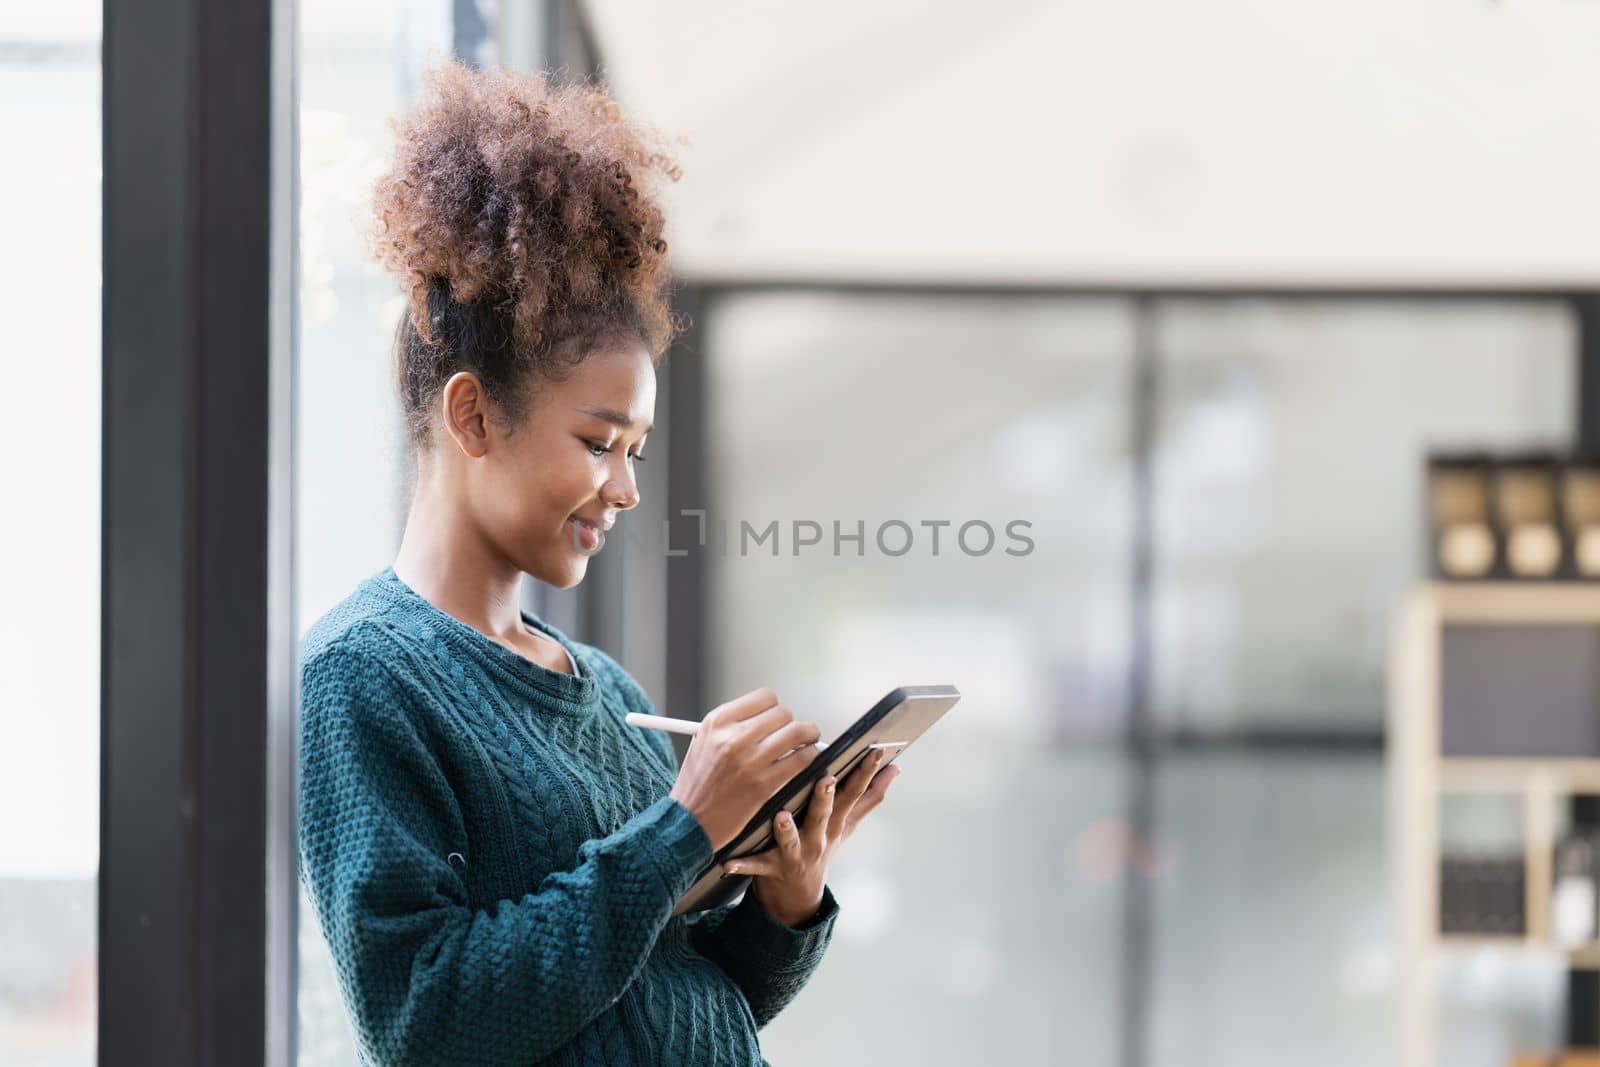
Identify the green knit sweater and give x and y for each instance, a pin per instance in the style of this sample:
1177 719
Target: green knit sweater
494 857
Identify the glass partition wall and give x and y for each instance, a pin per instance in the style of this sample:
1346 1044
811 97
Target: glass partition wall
1035 881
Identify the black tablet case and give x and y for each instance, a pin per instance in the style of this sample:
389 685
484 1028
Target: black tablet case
892 724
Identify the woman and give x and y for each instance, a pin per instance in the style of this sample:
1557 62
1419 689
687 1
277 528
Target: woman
494 855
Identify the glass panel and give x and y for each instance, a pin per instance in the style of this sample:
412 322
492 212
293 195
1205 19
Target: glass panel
1289 507
350 476
50 729
351 491
1274 927
972 926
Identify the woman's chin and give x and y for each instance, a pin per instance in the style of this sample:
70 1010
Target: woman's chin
575 574
563 573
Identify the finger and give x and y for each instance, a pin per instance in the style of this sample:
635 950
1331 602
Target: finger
788 835
871 798
854 787
861 777
740 708
763 724
760 864
746 735
791 765
787 738
819 814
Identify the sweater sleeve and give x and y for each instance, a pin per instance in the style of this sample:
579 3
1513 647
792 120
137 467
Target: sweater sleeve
427 977
769 961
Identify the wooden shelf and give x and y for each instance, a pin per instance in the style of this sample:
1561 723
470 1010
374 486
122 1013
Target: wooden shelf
1419 776
1513 602
1586 956
1516 775
1569 1058
1474 941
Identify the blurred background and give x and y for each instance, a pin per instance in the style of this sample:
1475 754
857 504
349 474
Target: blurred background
1193 294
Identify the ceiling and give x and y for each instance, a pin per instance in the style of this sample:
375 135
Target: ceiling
1142 142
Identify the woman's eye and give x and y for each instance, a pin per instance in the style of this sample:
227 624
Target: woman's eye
597 449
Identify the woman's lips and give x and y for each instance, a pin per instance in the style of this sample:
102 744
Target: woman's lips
589 536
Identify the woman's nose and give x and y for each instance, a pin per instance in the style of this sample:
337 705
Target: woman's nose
622 494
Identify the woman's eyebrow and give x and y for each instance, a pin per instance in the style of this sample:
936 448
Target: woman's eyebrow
615 418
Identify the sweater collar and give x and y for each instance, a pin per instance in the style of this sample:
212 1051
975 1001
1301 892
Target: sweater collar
554 690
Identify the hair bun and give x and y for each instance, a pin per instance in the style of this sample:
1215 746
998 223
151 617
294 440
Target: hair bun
537 197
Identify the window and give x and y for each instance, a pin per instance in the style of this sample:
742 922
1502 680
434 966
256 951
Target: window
50 726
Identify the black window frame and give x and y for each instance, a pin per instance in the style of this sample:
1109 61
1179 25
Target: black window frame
197 889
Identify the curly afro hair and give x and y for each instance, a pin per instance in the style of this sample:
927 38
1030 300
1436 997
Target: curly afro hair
520 218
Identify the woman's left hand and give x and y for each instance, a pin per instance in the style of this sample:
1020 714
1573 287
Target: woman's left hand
790 875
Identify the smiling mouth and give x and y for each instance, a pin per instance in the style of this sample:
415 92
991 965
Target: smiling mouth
587 538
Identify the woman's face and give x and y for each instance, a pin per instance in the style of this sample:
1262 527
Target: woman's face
544 493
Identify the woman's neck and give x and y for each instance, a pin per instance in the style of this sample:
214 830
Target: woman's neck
450 565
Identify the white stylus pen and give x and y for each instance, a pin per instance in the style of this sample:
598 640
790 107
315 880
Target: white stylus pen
670 725
662 722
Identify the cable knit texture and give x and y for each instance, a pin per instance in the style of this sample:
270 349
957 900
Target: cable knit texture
494 857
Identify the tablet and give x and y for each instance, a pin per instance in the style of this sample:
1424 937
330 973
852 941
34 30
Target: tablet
891 725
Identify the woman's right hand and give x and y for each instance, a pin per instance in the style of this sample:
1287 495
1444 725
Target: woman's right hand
744 751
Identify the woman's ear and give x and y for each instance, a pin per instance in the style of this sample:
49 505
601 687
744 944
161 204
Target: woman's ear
464 413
